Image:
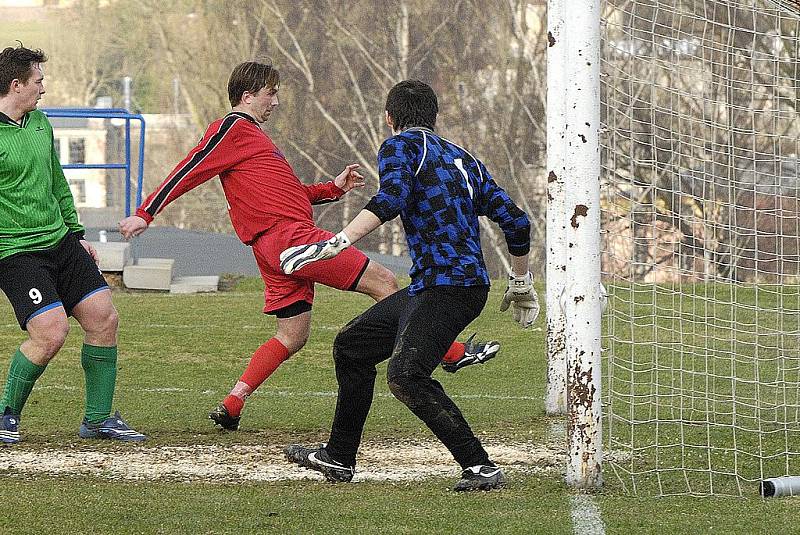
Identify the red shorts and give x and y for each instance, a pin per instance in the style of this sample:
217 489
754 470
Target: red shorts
281 290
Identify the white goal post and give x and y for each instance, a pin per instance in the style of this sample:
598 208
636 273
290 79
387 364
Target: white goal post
674 178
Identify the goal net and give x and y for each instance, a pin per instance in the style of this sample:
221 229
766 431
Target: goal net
701 244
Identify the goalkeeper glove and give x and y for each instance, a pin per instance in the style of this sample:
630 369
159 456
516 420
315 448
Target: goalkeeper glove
521 295
294 258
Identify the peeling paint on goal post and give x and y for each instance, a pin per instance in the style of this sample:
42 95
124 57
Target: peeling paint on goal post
555 399
584 295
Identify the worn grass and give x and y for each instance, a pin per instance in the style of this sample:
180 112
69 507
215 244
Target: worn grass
181 354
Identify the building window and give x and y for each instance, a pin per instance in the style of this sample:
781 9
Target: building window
78 187
57 147
77 150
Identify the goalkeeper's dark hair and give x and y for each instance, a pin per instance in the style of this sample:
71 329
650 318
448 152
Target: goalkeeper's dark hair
16 64
252 77
412 103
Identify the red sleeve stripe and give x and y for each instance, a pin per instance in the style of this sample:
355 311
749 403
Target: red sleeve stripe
159 199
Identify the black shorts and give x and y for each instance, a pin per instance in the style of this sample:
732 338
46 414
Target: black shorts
39 281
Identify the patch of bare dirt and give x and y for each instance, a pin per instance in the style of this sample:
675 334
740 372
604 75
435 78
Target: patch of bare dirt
403 461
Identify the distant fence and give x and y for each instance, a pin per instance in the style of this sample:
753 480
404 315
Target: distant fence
111 113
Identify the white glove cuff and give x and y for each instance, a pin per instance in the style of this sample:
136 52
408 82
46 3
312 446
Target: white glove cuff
342 241
527 278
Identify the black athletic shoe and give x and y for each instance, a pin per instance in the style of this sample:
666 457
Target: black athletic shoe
474 353
222 418
480 477
319 460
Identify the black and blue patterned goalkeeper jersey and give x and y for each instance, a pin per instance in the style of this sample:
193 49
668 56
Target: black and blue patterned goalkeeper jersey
439 190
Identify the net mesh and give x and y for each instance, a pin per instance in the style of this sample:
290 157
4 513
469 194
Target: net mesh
701 244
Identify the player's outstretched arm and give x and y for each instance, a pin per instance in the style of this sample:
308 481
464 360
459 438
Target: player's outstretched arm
349 178
132 226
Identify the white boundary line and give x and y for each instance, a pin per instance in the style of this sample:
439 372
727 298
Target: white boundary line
276 393
585 514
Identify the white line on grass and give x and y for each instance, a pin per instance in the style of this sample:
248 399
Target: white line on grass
194 326
278 393
586 519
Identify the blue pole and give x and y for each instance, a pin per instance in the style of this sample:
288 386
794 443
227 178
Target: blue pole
140 181
127 167
111 113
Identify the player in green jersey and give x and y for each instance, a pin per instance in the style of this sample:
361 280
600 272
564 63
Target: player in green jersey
48 270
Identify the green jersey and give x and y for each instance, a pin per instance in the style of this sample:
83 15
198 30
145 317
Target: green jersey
36 205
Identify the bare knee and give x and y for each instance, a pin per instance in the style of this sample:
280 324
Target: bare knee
378 282
108 322
45 341
293 332
98 318
101 328
293 342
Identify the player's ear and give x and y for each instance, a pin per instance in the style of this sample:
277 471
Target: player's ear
389 120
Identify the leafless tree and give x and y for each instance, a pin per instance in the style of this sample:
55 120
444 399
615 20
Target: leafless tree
338 59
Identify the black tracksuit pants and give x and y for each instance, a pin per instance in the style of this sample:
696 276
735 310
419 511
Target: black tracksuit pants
414 333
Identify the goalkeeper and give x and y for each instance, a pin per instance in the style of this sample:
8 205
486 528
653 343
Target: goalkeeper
439 190
270 209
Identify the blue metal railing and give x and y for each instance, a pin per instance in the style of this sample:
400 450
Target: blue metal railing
111 113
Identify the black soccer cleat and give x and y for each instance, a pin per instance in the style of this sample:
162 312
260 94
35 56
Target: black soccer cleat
319 460
474 353
222 418
480 477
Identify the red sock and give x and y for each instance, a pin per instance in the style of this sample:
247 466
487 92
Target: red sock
264 361
455 352
233 404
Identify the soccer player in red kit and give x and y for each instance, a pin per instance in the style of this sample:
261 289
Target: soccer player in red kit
271 210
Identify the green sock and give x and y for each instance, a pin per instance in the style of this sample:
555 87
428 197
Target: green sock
100 369
22 374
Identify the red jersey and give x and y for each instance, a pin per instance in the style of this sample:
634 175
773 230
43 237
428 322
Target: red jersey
260 185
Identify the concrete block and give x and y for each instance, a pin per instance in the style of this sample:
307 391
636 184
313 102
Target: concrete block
156 262
190 285
149 274
114 256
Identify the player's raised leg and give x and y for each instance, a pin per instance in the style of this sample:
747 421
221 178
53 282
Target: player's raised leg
470 352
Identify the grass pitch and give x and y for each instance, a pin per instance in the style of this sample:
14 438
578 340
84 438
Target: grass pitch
179 355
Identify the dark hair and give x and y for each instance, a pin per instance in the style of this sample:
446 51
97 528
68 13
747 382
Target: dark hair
251 77
16 64
412 103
